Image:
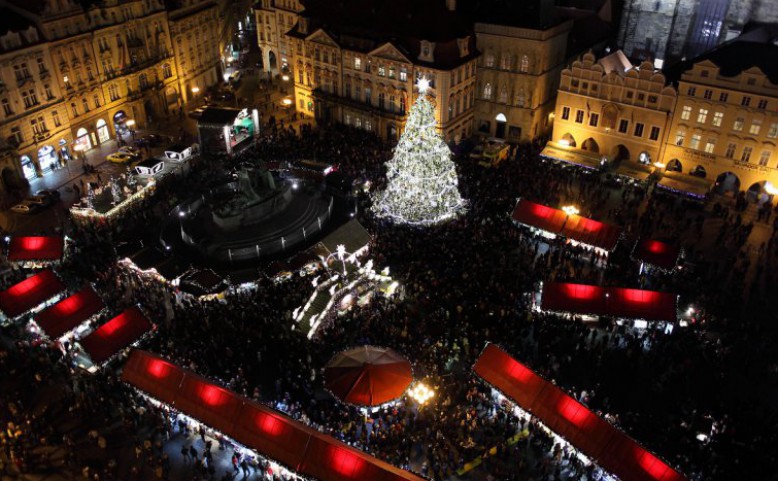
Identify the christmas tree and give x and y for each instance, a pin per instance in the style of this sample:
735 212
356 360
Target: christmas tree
421 177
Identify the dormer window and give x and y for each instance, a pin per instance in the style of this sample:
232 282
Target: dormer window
427 51
464 46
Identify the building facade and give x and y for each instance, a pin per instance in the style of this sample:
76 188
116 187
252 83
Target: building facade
518 76
669 30
78 78
33 122
274 18
610 109
725 126
366 79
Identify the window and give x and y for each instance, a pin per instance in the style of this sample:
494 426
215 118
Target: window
391 72
381 71
38 125
704 74
524 64
702 116
41 66
723 96
680 136
368 124
55 117
691 91
565 113
96 100
503 95
167 72
638 130
641 97
579 116
730 153
762 104
489 60
488 91
30 99
710 145
652 99
746 154
751 81
74 109
756 126
718 117
708 94
594 119
695 143
381 100
764 158
357 63
113 92
773 132
630 94
402 104
687 113
403 75
654 135
623 126
745 101
575 83
347 119
347 89
738 125
7 108
505 62
368 95
16 134
86 104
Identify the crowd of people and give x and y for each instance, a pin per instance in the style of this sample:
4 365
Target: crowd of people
464 284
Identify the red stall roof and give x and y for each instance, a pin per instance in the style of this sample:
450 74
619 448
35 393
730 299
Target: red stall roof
575 227
610 301
115 335
577 298
68 313
37 248
591 232
256 426
539 216
657 253
609 447
21 297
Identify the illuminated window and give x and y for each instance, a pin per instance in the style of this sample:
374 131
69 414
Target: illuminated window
710 145
718 117
738 125
730 153
680 136
686 114
746 154
638 130
695 143
594 119
702 116
654 134
756 126
579 116
764 158
565 113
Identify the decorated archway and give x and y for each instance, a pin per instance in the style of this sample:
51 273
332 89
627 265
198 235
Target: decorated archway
28 167
675 166
82 140
500 120
103 134
727 182
47 158
591 145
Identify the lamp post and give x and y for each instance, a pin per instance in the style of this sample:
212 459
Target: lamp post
421 393
341 250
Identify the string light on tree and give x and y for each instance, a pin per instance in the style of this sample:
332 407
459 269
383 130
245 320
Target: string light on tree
421 178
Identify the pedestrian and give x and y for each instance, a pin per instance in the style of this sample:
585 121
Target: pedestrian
185 453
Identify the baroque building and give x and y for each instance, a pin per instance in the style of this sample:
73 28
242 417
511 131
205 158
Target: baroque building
365 77
669 30
611 110
274 18
725 125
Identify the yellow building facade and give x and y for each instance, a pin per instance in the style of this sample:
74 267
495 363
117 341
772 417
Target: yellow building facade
273 19
610 110
34 132
518 77
725 126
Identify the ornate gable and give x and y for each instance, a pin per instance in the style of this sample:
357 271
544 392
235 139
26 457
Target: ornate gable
390 52
323 38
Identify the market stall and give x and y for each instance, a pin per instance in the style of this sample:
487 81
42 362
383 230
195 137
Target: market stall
59 319
31 294
557 152
655 253
597 439
150 167
617 302
688 186
180 153
226 130
113 336
269 433
368 375
35 251
550 222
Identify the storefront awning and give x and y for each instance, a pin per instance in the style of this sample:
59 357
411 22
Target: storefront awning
606 445
115 335
587 160
656 253
619 302
254 425
633 171
575 227
351 235
30 293
36 248
69 313
686 185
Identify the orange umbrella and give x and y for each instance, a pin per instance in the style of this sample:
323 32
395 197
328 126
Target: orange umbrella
368 375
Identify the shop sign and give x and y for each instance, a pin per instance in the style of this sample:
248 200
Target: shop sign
699 155
753 168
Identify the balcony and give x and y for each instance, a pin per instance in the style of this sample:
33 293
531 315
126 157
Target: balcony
44 74
41 136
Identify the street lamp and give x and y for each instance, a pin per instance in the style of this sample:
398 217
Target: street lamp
287 102
770 189
285 78
195 90
421 393
570 210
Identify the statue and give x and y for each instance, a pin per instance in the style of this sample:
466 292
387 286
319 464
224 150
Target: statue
116 193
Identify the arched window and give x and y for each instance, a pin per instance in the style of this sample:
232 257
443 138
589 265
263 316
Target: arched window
489 60
166 71
521 98
505 62
524 63
488 91
503 95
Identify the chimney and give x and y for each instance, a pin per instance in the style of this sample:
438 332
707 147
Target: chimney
451 5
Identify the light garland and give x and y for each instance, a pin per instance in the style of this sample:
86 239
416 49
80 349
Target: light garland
421 178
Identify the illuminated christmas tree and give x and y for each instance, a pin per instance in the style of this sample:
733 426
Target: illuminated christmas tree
421 177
